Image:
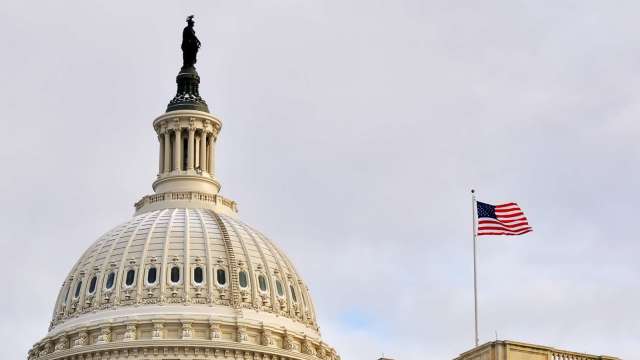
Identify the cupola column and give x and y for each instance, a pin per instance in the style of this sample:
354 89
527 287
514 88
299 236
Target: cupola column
212 154
167 150
161 155
190 148
177 144
203 151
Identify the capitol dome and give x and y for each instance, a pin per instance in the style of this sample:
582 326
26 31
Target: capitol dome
185 278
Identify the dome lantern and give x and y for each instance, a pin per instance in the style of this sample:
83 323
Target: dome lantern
187 137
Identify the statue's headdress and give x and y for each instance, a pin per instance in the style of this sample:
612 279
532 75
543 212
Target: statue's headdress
190 18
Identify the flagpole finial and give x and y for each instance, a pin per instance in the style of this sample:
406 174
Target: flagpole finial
473 191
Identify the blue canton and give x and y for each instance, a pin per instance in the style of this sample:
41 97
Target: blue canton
486 210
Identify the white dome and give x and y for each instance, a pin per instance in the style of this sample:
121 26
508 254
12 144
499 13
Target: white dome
215 278
185 239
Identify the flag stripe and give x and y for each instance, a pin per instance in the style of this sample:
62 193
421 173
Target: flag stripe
505 205
508 226
505 233
520 213
520 228
514 220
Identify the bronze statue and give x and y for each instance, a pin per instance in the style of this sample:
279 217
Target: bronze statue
190 44
188 81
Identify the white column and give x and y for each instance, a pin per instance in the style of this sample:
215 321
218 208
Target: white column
161 155
196 153
203 151
212 153
167 151
191 148
177 146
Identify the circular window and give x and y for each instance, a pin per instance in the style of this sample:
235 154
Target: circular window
221 277
175 274
131 276
152 275
293 293
92 284
279 288
242 279
198 275
77 293
110 280
262 283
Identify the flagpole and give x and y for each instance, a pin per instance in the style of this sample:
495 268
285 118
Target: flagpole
475 273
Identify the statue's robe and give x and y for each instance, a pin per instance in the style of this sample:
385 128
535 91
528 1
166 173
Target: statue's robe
190 45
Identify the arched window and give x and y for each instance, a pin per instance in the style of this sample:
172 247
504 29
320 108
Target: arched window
92 284
110 280
293 293
262 283
66 296
221 277
242 279
152 275
77 293
279 288
198 275
175 274
131 276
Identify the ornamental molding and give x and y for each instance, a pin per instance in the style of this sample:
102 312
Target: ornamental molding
85 343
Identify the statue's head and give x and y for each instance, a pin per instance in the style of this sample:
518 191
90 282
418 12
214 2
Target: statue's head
190 20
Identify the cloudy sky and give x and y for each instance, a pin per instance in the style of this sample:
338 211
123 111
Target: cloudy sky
353 132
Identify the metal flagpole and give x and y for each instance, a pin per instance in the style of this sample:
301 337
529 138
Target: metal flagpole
475 272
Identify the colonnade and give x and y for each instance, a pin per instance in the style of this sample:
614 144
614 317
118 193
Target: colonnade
186 149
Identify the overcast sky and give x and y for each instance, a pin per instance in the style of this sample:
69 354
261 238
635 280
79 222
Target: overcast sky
353 132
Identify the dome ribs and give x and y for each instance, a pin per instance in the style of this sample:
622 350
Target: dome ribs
90 268
123 260
292 279
278 259
143 256
205 234
250 268
186 263
163 273
105 263
267 269
233 270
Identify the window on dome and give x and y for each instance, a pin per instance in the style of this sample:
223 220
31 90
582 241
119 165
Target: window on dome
92 285
152 275
131 276
175 274
242 279
110 280
293 293
221 277
77 293
198 275
279 288
66 296
262 283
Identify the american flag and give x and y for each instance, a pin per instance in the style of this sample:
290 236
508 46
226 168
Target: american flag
505 219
